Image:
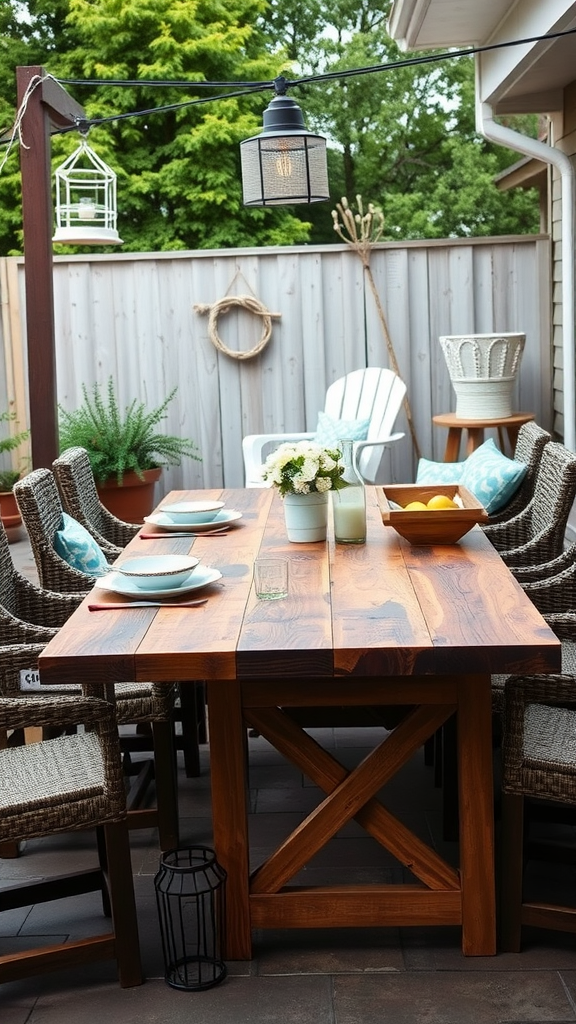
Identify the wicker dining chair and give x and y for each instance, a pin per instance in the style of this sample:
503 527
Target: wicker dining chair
135 703
145 704
41 510
41 507
69 783
536 534
28 612
528 450
77 487
538 762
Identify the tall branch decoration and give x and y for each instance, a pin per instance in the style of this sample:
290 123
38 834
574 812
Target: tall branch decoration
361 231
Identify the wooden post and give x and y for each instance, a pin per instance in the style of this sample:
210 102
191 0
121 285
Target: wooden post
47 105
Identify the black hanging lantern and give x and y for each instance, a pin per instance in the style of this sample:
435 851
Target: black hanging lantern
285 164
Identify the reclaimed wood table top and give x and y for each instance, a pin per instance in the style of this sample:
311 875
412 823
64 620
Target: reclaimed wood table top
381 623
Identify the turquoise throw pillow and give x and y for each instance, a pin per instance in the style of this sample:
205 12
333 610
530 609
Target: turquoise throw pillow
330 431
77 547
439 472
492 477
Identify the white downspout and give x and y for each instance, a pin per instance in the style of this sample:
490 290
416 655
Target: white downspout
489 128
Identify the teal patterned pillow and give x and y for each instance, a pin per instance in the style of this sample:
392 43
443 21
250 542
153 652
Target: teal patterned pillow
491 476
439 472
330 431
77 547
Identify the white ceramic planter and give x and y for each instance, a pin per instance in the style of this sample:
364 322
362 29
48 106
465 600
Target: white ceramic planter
483 370
306 517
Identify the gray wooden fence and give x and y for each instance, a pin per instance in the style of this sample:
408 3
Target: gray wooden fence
132 316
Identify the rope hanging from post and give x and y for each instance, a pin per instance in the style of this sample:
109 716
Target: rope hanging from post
247 302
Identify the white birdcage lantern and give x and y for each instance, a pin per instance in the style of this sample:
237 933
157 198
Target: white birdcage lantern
85 200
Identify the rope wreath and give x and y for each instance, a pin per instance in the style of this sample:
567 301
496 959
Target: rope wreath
224 305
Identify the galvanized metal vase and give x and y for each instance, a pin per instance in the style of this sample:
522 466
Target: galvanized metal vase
306 517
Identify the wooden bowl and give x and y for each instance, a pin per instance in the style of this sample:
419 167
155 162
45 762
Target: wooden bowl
433 526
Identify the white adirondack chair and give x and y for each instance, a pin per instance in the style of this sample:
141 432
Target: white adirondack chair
372 393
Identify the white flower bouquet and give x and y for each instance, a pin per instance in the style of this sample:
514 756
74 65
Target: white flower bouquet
302 467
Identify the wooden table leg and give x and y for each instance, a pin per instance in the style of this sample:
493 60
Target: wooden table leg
452 450
228 761
512 438
476 816
475 439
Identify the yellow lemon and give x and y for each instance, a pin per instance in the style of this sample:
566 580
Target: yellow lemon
441 501
415 506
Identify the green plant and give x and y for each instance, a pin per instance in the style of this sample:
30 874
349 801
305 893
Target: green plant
121 443
8 477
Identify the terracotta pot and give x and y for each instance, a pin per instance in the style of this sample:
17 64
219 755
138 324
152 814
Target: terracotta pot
9 512
133 498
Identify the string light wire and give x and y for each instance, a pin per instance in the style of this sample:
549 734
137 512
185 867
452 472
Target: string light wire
243 88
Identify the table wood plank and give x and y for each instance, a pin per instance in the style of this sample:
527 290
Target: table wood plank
204 645
293 636
377 621
474 607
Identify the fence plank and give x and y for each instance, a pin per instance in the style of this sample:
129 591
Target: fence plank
132 316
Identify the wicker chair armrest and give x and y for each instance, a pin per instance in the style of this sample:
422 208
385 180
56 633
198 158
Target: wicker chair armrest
517 526
539 689
554 595
534 551
57 575
16 657
545 570
17 631
20 713
44 607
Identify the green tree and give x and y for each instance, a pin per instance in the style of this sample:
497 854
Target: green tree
178 170
404 138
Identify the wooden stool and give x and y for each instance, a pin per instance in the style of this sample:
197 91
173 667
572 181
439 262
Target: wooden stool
456 424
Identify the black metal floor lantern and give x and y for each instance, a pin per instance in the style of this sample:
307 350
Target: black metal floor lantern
190 891
285 164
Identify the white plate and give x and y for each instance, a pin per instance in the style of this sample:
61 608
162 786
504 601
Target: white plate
225 516
118 584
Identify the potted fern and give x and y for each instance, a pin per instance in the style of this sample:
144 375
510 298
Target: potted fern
126 450
9 512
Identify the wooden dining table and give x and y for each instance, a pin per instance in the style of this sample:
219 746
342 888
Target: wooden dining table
415 629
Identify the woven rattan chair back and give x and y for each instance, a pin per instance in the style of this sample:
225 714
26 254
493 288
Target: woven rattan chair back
27 612
537 533
538 761
77 487
528 450
41 509
71 782
554 489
